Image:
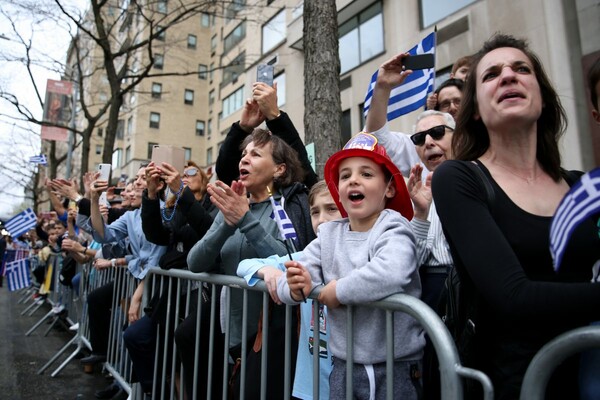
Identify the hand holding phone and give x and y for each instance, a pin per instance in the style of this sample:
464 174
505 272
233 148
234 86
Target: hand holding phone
264 73
419 61
104 170
172 155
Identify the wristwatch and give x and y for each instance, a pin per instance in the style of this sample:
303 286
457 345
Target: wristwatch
77 198
113 262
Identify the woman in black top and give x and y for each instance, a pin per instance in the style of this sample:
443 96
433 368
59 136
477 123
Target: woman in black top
508 126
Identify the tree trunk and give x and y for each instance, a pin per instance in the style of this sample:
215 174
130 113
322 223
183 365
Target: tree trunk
111 128
322 104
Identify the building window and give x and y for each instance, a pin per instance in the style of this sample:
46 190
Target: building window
213 43
128 154
211 72
433 11
120 129
211 97
100 132
159 61
234 69
98 149
161 6
129 126
209 128
156 90
188 153
188 96
234 37
205 20
209 156
162 33
200 126
150 148
233 102
116 158
361 38
280 80
346 125
191 41
202 71
273 32
154 120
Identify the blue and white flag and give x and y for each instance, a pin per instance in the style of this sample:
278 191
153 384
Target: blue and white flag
412 94
17 274
21 223
41 159
286 228
580 203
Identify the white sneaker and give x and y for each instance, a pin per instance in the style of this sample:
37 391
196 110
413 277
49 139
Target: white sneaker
74 327
58 309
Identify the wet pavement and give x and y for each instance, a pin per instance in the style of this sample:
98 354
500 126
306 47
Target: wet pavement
22 356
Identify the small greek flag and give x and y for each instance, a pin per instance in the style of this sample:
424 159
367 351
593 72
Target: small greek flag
580 203
17 274
21 223
41 159
412 94
286 228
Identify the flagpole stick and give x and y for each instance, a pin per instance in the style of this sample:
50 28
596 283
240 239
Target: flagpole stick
287 247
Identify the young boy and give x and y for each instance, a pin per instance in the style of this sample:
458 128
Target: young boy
322 209
363 258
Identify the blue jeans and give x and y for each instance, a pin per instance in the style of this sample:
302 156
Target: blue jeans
589 378
140 340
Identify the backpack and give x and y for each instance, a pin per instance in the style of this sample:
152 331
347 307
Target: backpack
67 270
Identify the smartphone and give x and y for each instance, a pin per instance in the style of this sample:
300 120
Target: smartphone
264 73
170 154
103 201
419 61
47 215
104 170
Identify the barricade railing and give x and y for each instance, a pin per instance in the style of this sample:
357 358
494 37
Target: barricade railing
552 355
451 370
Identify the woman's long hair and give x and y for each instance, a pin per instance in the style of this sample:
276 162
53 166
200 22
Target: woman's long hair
471 138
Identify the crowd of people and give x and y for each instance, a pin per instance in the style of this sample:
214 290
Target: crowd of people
395 213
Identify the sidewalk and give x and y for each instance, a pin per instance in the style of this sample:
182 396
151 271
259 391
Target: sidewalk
21 357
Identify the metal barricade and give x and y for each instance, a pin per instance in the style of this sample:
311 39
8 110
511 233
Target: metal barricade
451 370
552 355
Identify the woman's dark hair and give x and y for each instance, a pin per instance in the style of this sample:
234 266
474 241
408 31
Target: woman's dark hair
450 82
282 153
471 138
593 78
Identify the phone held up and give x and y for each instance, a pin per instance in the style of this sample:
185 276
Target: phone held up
419 61
172 155
104 170
264 73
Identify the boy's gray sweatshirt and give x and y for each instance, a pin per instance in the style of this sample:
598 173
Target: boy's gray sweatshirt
368 266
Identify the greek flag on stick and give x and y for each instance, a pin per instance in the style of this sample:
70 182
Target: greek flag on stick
580 203
286 228
17 274
412 94
21 223
41 159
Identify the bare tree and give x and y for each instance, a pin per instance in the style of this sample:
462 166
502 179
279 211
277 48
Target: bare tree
322 105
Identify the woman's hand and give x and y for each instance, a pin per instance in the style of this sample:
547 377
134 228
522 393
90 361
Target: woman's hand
420 193
328 296
134 309
153 174
391 73
231 201
171 176
298 280
251 116
266 97
270 276
88 178
64 188
101 263
97 187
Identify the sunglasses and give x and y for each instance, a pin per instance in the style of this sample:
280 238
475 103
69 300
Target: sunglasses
436 133
190 172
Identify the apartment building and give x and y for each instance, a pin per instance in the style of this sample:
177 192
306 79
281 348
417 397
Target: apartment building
224 46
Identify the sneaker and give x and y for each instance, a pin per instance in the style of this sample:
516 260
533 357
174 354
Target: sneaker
39 301
57 309
74 327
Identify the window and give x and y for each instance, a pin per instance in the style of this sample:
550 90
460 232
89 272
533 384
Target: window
120 129
209 128
191 41
280 80
346 126
161 6
211 97
298 10
102 97
234 37
98 149
154 120
150 147
361 38
361 115
205 20
129 126
162 33
211 72
209 156
273 32
159 61
128 154
200 126
188 153
213 43
116 158
433 11
100 132
188 96
233 8
202 70
233 102
156 90
234 69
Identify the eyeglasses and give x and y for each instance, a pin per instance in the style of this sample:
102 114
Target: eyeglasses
445 105
190 172
436 133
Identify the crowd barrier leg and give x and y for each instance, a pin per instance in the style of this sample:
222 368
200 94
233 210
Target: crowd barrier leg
34 305
49 315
